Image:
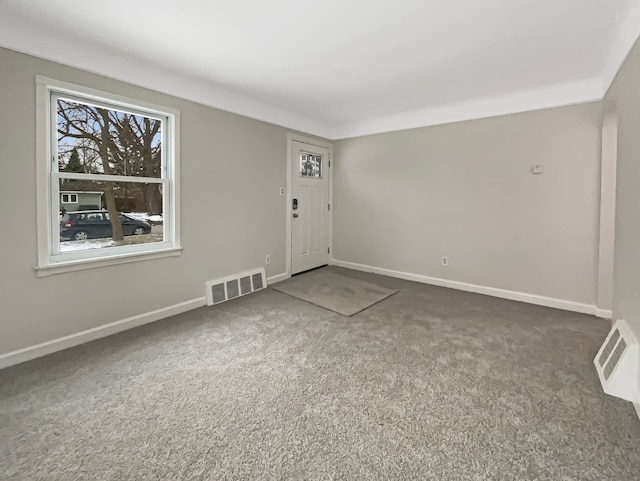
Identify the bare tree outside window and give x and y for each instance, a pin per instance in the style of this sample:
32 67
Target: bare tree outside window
103 141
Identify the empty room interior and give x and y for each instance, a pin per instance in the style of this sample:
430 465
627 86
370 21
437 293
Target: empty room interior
321 240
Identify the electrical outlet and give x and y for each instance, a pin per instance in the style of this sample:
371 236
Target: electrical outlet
445 261
267 259
281 191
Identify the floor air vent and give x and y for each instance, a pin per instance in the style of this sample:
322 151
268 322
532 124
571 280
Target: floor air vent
222 290
618 363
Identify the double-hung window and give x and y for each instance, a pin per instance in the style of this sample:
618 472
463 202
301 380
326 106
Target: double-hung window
107 178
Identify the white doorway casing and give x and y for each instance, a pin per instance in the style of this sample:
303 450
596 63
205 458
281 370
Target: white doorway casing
293 159
607 211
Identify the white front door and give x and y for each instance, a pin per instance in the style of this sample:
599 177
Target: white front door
310 207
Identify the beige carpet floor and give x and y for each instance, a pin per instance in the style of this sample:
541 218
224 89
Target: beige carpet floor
429 384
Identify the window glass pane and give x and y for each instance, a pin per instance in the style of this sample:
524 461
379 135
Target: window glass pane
134 141
310 165
87 224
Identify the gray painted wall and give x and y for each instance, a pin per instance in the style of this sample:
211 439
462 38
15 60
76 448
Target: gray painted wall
232 213
405 199
625 93
402 200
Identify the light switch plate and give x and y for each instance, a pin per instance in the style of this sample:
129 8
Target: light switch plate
537 169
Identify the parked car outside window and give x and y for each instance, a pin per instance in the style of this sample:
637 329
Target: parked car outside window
95 224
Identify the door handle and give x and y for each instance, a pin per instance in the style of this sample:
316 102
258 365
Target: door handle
295 215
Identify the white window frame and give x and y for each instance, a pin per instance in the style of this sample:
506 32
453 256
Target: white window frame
69 197
50 260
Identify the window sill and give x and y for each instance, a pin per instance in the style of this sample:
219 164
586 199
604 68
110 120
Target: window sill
80 265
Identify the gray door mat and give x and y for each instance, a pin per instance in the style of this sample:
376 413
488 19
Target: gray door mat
342 294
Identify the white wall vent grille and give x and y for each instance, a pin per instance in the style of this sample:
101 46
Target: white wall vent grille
222 290
233 290
217 293
245 285
618 363
258 280
608 347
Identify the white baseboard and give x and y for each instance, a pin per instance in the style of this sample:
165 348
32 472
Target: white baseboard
278 278
39 350
463 286
637 408
603 313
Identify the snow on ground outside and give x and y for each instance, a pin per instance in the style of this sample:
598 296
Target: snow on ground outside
73 246
144 216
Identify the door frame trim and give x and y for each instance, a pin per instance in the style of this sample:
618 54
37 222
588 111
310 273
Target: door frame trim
608 179
292 137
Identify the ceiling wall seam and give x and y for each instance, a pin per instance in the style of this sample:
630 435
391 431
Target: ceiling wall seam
169 83
627 37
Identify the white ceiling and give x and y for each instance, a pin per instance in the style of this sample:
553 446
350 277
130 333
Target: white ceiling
340 68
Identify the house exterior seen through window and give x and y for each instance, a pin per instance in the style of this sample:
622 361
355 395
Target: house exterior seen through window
69 198
111 169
